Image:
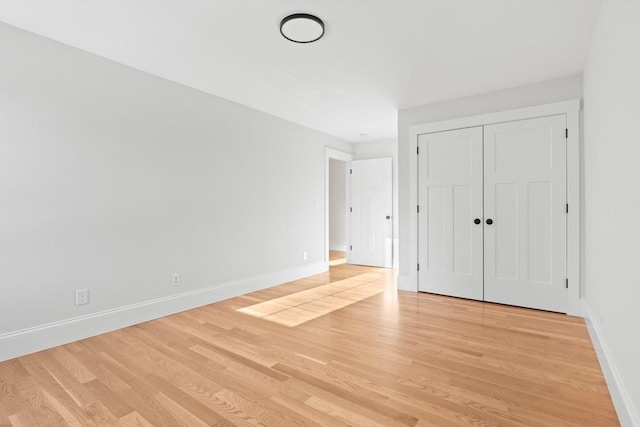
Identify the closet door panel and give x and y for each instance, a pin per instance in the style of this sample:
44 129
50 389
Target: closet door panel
525 199
450 198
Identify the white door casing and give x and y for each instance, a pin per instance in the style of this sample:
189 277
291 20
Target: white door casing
371 207
492 221
449 200
408 280
525 197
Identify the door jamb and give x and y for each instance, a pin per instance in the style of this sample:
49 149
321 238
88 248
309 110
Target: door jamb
332 153
572 110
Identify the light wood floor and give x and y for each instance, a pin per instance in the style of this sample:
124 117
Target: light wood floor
337 257
392 359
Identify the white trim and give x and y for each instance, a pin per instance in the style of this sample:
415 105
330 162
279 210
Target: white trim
619 394
404 283
553 109
332 153
573 217
414 131
30 340
571 109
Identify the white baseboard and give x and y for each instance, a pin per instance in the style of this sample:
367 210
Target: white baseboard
30 340
627 414
405 284
342 248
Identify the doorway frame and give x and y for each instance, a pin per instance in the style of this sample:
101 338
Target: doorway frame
572 110
332 153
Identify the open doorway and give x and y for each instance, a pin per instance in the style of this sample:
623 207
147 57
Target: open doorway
337 212
336 206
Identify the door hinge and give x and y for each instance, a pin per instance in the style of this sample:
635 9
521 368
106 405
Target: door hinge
350 209
566 283
566 133
350 171
567 207
418 210
418 266
350 247
417 150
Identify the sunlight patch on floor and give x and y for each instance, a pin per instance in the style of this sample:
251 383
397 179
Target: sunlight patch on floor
300 307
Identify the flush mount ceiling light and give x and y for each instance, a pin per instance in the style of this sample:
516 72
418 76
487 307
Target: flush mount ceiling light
302 28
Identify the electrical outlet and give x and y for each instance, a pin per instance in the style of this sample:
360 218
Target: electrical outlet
304 255
175 279
82 296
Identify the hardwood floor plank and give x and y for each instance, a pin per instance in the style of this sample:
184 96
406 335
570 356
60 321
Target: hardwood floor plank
313 416
264 308
11 401
99 414
266 411
114 404
40 417
184 417
65 379
343 414
72 365
72 415
187 403
372 401
233 413
102 372
134 419
150 409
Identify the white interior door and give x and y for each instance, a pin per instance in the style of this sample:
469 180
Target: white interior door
450 213
371 227
525 213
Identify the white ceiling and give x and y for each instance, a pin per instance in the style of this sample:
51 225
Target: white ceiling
376 56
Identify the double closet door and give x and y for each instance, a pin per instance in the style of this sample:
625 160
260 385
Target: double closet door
492 213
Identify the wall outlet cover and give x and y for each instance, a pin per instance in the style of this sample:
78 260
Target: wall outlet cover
175 279
82 296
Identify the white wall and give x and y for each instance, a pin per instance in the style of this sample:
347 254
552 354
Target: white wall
524 96
612 196
337 205
112 179
375 150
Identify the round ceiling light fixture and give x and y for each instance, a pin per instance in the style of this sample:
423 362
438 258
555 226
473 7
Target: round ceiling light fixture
302 28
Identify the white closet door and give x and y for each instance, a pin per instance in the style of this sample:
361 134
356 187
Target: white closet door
525 213
371 226
450 199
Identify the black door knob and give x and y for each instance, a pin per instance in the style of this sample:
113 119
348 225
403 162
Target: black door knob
489 221
477 221
388 217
